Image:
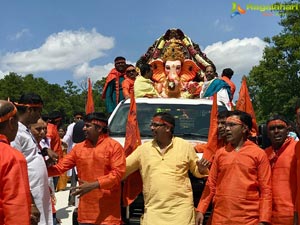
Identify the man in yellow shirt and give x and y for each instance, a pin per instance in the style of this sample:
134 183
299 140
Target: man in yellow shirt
164 163
143 85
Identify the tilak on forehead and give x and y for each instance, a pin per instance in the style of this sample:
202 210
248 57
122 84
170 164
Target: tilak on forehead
8 115
158 119
99 123
277 122
234 120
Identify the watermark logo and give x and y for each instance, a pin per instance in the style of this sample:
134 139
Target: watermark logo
275 9
236 10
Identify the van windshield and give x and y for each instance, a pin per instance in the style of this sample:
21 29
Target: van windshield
191 121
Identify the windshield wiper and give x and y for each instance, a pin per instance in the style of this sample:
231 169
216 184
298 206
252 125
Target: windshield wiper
191 135
117 133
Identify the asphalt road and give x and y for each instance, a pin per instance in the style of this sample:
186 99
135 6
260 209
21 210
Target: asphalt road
63 211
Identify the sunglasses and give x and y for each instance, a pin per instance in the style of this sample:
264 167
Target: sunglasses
130 71
156 124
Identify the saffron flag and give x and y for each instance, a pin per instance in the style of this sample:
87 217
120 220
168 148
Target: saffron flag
212 143
244 104
89 106
133 185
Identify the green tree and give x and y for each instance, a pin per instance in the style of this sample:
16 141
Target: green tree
75 97
274 84
97 93
11 86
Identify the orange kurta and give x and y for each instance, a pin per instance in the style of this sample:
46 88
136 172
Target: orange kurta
104 163
284 182
240 183
127 86
15 197
55 142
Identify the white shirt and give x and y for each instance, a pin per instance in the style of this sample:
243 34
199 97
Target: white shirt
37 173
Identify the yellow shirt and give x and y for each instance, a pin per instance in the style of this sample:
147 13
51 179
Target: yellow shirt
143 86
166 185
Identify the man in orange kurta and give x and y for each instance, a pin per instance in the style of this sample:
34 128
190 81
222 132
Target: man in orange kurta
128 83
112 90
221 142
15 200
239 179
100 162
283 161
52 133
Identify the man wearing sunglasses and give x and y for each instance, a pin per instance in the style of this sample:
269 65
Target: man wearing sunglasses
239 178
164 164
128 83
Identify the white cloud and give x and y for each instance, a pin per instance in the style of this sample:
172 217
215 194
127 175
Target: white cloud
95 73
20 34
239 54
222 26
63 50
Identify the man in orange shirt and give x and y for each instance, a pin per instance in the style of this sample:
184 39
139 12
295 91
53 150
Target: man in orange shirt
100 162
283 161
112 90
226 76
239 180
53 122
128 83
15 197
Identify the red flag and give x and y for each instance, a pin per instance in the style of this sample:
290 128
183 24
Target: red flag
212 143
133 184
244 104
89 107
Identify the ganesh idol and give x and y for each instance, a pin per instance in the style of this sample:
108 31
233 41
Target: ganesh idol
177 64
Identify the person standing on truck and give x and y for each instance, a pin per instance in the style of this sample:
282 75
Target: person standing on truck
164 164
143 85
100 163
226 75
282 156
213 84
239 179
112 90
128 83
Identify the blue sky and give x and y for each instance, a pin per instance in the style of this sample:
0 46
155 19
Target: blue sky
63 40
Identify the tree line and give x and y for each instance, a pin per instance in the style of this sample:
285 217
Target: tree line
66 99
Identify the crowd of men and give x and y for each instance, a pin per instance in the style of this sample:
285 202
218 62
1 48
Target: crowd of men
245 184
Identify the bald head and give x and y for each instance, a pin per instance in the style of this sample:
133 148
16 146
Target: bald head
8 120
5 108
